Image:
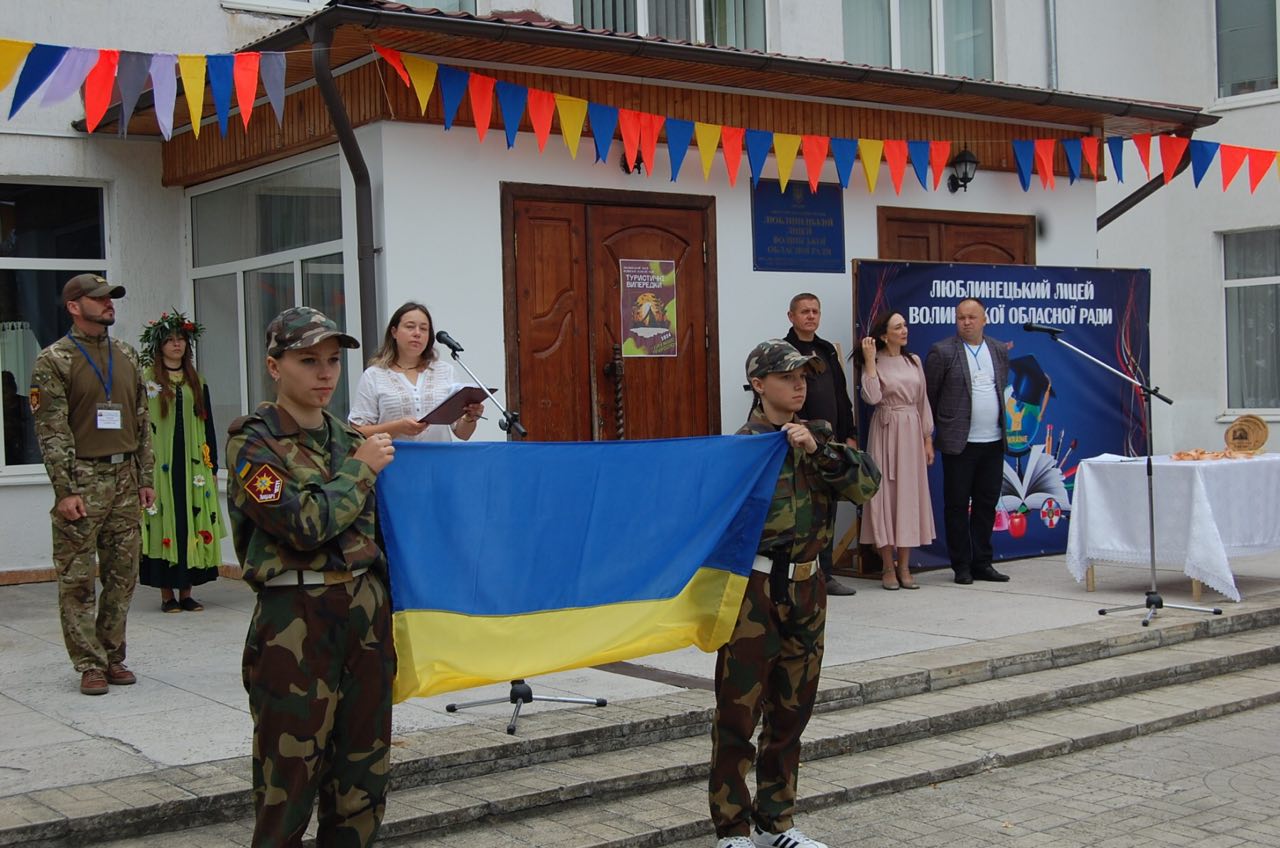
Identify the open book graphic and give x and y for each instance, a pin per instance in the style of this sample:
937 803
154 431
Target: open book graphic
449 410
1041 479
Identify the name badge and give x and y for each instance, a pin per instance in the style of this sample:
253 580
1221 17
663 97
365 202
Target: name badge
109 417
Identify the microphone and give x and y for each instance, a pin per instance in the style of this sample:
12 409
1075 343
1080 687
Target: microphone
448 341
1033 328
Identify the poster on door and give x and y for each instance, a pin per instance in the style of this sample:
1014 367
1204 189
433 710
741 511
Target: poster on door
648 306
1058 407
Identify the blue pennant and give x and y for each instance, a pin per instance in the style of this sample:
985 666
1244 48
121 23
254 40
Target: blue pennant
1074 149
41 62
604 120
1116 145
758 144
679 134
453 85
845 152
221 69
1202 153
512 99
1024 152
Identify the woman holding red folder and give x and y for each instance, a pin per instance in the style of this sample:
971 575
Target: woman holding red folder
405 380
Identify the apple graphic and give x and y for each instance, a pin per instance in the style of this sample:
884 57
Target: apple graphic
1018 524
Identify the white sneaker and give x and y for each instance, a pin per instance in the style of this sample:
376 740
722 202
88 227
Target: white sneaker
735 842
790 838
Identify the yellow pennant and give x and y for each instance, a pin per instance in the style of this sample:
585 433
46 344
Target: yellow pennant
785 146
708 136
573 113
423 73
12 55
869 151
191 67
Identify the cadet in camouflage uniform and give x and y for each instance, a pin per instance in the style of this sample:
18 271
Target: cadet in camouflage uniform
771 663
90 407
319 659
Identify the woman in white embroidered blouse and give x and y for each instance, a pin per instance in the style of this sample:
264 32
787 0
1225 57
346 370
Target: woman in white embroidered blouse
405 380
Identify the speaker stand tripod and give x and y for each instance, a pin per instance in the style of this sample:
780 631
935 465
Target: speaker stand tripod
521 694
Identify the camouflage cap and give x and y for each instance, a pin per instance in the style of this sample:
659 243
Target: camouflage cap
776 356
89 285
301 327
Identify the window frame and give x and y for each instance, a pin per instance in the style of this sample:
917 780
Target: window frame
1248 98
697 15
1229 413
937 37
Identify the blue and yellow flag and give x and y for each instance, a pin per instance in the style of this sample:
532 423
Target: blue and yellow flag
510 560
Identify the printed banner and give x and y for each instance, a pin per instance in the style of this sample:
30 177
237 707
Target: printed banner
648 306
1059 407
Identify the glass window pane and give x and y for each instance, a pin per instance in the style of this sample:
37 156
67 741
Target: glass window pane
736 23
218 351
31 318
267 293
1253 347
1251 255
289 209
915 23
670 19
1246 46
51 222
455 5
613 15
967 38
322 289
866 32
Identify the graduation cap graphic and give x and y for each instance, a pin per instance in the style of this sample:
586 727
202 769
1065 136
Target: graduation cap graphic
1026 399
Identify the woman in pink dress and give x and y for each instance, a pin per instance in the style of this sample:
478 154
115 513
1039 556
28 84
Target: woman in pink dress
900 516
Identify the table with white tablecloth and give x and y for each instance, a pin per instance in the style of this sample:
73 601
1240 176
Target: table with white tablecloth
1207 511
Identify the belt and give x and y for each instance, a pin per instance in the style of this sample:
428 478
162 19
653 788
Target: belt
313 578
114 459
795 571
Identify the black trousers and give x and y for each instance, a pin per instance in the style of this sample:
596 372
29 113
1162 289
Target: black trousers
970 488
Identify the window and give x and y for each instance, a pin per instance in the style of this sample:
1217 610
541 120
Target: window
1246 46
953 36
738 23
260 247
1252 271
48 234
735 23
613 15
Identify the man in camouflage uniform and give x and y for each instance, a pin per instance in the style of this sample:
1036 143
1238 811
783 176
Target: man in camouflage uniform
771 663
319 658
90 408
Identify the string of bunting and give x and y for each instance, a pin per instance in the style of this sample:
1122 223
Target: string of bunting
61 71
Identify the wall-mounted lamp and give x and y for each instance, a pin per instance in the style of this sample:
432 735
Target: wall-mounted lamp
965 165
638 169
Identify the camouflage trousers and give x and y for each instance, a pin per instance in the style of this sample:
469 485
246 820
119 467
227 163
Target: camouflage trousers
106 539
318 666
769 669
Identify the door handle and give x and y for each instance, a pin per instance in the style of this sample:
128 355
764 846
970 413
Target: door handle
613 369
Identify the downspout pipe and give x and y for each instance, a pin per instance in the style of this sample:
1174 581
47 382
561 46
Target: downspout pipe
1051 15
320 33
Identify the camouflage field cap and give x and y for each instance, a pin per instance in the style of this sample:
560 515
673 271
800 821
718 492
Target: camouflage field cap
301 327
776 356
89 285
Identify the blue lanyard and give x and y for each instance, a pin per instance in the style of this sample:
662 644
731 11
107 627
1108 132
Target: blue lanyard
974 353
111 364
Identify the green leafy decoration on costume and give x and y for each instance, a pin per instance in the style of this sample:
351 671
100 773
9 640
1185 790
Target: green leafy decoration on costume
157 332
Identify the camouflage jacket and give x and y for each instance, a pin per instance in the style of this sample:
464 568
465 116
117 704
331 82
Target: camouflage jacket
297 504
809 485
65 393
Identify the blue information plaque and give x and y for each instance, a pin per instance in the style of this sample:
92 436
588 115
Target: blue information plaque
798 230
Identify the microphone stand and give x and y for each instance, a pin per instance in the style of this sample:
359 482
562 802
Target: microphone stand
510 422
1153 603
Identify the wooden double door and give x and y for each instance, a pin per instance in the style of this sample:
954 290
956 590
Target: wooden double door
565 326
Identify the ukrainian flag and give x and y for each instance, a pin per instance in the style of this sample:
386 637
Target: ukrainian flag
510 560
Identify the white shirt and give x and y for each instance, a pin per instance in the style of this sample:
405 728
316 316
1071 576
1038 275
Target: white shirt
385 395
984 418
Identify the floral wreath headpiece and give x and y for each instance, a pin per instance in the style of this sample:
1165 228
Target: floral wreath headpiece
157 332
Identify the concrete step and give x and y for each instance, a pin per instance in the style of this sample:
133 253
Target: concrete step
456 778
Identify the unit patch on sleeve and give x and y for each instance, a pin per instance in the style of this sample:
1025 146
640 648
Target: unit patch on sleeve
265 485
34 397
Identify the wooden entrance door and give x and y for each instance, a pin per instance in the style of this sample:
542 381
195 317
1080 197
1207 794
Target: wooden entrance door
927 235
569 380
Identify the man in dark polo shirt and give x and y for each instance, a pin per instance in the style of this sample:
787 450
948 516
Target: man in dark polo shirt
90 407
828 397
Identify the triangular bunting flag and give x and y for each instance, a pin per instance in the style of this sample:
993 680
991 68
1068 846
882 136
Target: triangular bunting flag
1072 148
1142 141
1202 153
1024 154
191 67
12 55
573 112
815 157
1231 158
1044 162
41 63
542 107
604 120
844 151
246 79
131 78
679 134
423 73
939 155
918 152
895 156
785 147
758 144
69 75
511 102
393 59
1089 147
97 88
221 68
708 137
453 85
271 69
629 129
731 141
1260 161
164 90
481 89
869 151
650 127
1172 148
1115 144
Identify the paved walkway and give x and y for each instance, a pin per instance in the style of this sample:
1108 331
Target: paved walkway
189 705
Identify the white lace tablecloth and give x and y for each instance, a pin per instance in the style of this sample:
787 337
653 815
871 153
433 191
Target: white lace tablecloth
1206 512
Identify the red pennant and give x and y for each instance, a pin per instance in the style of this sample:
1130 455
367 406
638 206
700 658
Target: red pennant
97 88
1142 141
815 156
1089 146
393 59
481 89
246 77
731 145
1172 148
1232 158
895 154
650 126
629 124
1044 161
542 107
1260 161
939 155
